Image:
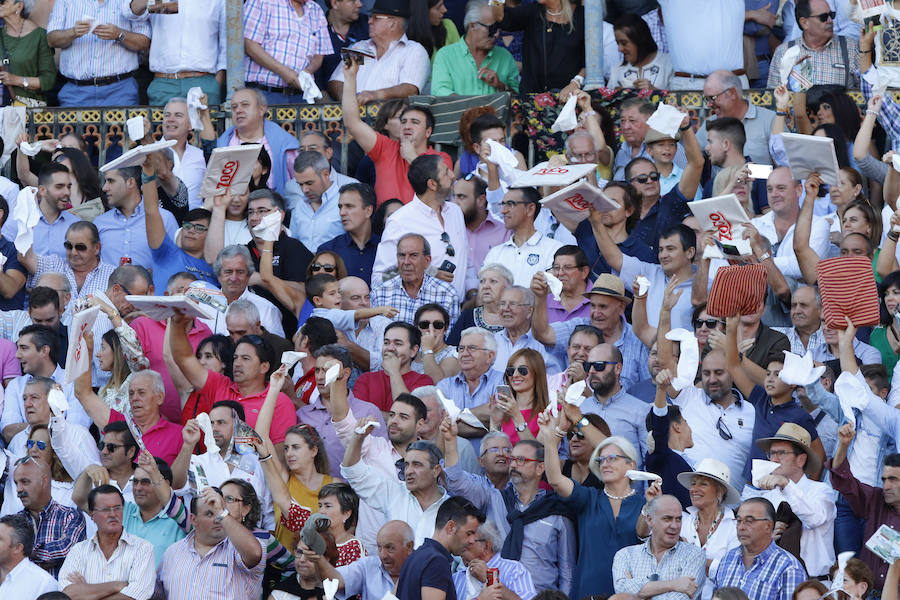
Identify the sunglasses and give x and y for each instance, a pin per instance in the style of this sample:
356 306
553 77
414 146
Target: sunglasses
574 434
109 446
597 365
510 371
195 226
723 430
493 29
445 237
710 323
79 247
824 17
326 268
32 443
436 324
652 176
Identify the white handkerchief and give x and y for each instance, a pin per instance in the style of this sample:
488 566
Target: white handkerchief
505 160
788 60
94 22
78 355
194 105
852 393
311 91
688 360
837 582
135 126
643 285
291 358
575 393
30 148
554 283
469 418
370 424
206 427
332 373
566 121
667 119
330 585
270 227
57 401
642 476
449 406
799 370
759 468
26 214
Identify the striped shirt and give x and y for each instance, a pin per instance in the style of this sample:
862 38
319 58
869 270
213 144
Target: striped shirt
56 529
221 574
392 293
513 575
774 574
823 67
128 562
95 281
287 37
89 56
636 566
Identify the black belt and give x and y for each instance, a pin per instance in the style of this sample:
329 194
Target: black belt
101 80
271 88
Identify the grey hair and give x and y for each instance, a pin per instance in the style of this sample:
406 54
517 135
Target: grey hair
176 100
491 532
473 12
527 295
159 385
64 281
815 290
425 391
580 134
504 272
27 7
653 504
435 456
490 342
409 535
244 307
230 252
495 434
730 80
260 96
310 159
39 380
426 247
624 445
22 532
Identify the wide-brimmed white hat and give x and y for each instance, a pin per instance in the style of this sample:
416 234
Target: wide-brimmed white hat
718 472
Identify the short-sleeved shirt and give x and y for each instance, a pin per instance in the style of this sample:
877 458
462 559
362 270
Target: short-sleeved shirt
162 440
358 31
455 71
222 388
375 387
169 259
392 181
427 566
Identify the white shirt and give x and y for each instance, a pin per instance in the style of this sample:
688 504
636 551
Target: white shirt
27 580
193 39
723 539
813 503
785 259
237 232
418 217
720 45
10 191
14 404
683 311
269 316
190 169
703 415
658 72
405 61
131 561
536 254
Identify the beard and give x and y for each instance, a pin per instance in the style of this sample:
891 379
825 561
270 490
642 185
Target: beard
602 387
470 215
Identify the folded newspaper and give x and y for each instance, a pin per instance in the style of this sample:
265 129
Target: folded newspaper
726 217
573 202
163 307
229 170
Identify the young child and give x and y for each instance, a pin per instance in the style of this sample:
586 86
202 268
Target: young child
662 149
324 293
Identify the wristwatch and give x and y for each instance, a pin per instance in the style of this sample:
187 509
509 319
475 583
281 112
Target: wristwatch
222 515
121 37
764 256
427 352
522 427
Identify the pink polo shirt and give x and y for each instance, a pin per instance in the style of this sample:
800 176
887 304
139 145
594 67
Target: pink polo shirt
163 440
220 387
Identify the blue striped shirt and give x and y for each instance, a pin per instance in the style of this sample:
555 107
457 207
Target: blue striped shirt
774 574
392 293
513 575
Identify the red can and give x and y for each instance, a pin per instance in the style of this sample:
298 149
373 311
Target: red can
493 576
125 260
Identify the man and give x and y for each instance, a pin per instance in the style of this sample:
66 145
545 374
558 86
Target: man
514 580
766 341
242 318
345 28
482 230
663 566
248 112
315 141
313 198
834 59
357 246
400 68
724 95
812 502
759 567
82 268
13 272
527 251
806 335
54 187
123 229
219 543
414 287
392 158
56 528
474 66
381 388
671 436
118 455
234 268
431 216
476 380
725 142
431 429
582 339
571 267
99 54
113 562
633 115
623 412
366 341
547 545
44 309
496 449
282 40
253 359
19 577
516 313
426 573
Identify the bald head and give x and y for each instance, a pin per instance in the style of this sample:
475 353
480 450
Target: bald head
32 484
395 544
399 529
354 293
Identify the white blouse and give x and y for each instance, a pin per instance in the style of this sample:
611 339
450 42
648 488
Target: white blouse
723 539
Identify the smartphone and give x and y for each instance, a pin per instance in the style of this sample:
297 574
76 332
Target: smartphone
447 266
759 171
504 390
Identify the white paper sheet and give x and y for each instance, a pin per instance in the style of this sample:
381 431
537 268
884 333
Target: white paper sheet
759 468
26 214
229 168
94 22
135 127
449 405
57 401
808 153
788 60
799 370
573 202
643 285
206 427
544 174
469 418
332 373
30 148
194 106
688 359
505 160
269 228
852 394
575 393
367 426
330 586
726 217
667 119
837 582
137 155
163 307
78 355
311 91
566 120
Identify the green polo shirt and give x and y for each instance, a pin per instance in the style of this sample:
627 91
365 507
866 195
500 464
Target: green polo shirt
454 71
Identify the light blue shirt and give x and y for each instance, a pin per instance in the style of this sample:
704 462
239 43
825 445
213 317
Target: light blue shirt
506 348
49 237
315 227
625 415
122 236
512 574
674 178
457 390
162 531
365 577
623 157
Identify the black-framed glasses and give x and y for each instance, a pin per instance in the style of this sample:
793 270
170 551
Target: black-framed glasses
644 178
195 226
32 443
779 453
513 203
722 428
493 28
751 521
709 323
714 97
574 434
445 237
125 289
144 482
462 349
326 268
824 17
436 324
400 465
112 447
498 450
597 365
79 246
523 370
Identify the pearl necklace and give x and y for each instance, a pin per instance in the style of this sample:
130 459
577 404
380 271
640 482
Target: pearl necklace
611 497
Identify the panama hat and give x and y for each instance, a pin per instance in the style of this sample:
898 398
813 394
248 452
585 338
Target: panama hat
797 435
609 285
718 472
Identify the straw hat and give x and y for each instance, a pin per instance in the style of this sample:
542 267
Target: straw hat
718 472
797 435
608 284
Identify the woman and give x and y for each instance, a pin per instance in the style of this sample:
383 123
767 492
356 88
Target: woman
552 44
328 262
340 504
435 358
236 230
261 171
382 213
307 584
643 67
387 122
833 132
860 217
736 180
886 337
428 26
517 415
294 486
85 197
704 324
811 589
216 354
570 266
835 107
40 448
492 280
30 69
578 466
858 579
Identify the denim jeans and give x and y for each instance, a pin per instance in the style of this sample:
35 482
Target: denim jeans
120 93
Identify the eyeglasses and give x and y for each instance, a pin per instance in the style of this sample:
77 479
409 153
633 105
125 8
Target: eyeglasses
125 289
136 481
109 509
195 226
521 460
32 443
461 349
506 304
501 450
564 268
231 499
610 458
710 323
597 365
109 446
779 453
445 237
428 324
749 520
722 428
714 97
652 176
379 17
79 247
824 17
575 434
493 29
512 203
326 268
510 371
259 211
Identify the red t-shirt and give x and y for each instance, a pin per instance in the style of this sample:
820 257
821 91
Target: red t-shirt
220 387
392 169
375 387
163 440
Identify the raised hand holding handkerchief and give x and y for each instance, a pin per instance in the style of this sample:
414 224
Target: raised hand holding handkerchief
566 121
269 229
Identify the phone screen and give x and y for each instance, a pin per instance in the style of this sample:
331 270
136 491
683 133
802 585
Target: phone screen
759 171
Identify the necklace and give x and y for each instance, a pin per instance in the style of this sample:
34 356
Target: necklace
712 526
554 13
611 497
